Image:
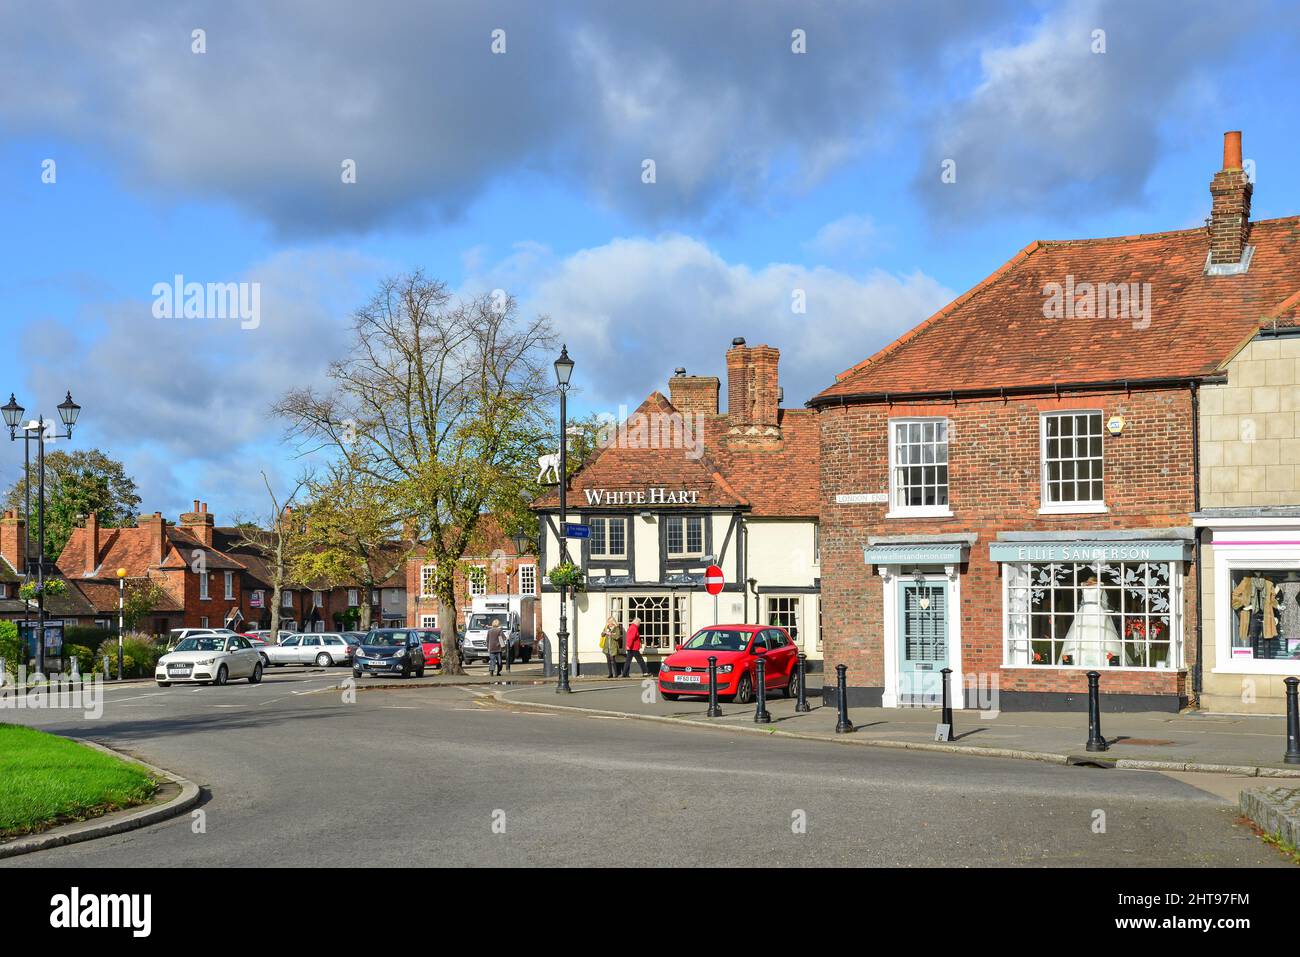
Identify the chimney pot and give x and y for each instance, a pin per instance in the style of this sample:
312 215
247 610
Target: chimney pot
738 341
1232 149
680 370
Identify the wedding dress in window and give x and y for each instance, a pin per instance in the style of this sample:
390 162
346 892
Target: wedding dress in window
1092 632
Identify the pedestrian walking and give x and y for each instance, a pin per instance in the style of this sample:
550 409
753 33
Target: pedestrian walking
632 641
496 642
611 639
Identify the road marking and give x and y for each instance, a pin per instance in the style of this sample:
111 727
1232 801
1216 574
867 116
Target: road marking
155 694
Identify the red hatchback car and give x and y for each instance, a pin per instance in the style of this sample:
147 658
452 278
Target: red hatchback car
431 639
737 648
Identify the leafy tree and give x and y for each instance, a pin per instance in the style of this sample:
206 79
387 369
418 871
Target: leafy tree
140 597
351 535
76 484
439 406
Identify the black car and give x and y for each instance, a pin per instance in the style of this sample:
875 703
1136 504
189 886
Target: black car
390 651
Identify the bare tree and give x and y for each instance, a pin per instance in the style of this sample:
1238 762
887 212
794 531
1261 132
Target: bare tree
439 403
280 543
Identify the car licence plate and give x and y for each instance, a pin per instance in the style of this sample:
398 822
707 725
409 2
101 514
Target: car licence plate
178 669
689 679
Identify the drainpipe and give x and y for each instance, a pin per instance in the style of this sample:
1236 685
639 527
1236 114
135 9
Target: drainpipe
1196 505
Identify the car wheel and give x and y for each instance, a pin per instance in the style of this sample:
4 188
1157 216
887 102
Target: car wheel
164 684
222 675
528 654
792 686
266 662
356 673
420 673
324 661
256 676
669 697
744 690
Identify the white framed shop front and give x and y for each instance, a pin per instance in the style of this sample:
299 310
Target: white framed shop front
1256 597
920 617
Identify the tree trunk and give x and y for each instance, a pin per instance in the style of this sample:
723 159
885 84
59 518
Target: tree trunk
274 637
365 609
451 663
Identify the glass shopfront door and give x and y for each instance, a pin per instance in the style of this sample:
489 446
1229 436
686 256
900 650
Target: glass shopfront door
923 638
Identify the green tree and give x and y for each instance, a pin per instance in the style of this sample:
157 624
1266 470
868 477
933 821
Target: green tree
440 404
76 484
351 534
140 597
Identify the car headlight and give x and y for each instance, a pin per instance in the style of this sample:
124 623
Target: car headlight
205 661
725 669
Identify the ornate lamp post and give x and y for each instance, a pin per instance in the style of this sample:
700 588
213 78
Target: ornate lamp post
13 412
563 372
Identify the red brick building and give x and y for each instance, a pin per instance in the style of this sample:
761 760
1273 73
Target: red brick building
1008 489
497 568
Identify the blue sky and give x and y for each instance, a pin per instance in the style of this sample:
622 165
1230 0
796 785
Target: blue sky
775 171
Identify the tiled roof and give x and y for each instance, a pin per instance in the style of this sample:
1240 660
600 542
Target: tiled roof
131 548
996 336
768 482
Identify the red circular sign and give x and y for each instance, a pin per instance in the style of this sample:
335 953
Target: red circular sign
713 579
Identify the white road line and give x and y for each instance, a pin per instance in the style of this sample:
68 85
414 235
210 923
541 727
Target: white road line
155 694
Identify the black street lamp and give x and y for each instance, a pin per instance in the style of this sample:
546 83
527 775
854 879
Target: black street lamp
563 372
13 413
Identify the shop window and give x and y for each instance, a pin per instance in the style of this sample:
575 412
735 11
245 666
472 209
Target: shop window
665 620
1265 624
1094 614
685 535
783 610
918 454
1072 461
608 538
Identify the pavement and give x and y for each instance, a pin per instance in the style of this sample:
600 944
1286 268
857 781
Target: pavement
296 772
1249 745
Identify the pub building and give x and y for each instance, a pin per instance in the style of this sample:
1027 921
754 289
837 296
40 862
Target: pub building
679 486
1020 488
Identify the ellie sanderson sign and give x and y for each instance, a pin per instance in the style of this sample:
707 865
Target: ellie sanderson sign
642 496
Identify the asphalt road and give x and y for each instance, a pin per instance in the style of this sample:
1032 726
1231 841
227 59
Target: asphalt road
440 776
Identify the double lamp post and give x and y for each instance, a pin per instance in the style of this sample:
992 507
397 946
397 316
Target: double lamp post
35 431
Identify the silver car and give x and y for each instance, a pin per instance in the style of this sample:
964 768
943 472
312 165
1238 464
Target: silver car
323 649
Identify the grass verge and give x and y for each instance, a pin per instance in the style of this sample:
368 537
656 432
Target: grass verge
46 780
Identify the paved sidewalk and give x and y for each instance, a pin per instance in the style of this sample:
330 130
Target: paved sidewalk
1248 745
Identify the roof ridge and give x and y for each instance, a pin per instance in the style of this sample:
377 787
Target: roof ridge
925 324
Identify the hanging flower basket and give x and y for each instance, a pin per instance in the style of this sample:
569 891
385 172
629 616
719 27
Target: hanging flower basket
53 588
566 575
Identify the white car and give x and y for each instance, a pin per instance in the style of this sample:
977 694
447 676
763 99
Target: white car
324 649
210 659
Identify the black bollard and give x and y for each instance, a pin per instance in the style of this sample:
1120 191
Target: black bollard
714 711
802 704
1095 741
843 725
761 715
946 719
1292 722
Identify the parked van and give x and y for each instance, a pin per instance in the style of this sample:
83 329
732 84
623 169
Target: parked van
516 614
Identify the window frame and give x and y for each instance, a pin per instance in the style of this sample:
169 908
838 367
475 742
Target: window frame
686 550
532 570
230 586
476 577
1046 506
204 589
427 573
896 510
604 522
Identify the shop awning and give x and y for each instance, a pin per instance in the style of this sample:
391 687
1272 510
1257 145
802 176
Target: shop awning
1093 550
917 550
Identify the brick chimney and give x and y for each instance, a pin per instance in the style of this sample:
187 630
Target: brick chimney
92 543
198 522
13 540
154 524
1230 210
694 393
753 395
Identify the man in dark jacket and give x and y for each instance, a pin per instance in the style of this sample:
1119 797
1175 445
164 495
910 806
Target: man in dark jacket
496 644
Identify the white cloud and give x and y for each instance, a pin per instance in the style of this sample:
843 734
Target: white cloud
634 309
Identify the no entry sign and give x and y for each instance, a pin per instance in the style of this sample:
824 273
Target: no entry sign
713 579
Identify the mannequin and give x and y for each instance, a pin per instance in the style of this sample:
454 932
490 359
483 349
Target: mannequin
1092 632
